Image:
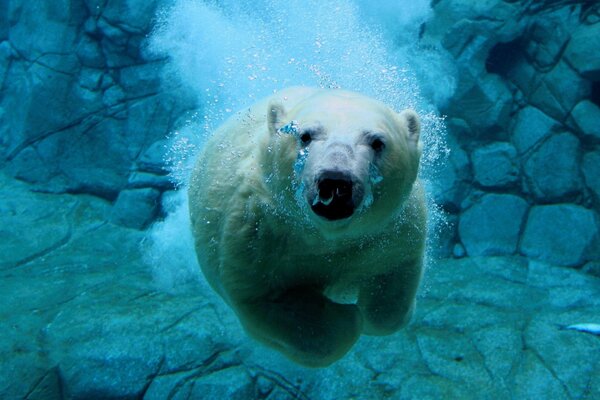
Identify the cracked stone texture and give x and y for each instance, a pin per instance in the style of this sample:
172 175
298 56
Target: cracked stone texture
76 83
495 165
527 76
82 318
492 225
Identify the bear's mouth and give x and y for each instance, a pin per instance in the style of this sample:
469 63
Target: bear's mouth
335 197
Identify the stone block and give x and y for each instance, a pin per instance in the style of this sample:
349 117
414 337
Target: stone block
592 268
492 226
152 160
582 52
484 103
559 91
530 128
146 179
552 172
90 53
561 234
495 165
547 37
135 208
591 172
586 116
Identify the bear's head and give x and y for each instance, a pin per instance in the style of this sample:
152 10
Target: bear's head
350 160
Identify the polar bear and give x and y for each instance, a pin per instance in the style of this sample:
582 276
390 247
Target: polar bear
309 220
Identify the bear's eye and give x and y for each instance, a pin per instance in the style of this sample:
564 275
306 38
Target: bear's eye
377 145
306 137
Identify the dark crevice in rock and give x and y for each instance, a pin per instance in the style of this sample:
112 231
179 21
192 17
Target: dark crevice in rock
537 6
44 252
38 138
90 120
144 295
207 367
502 57
150 379
425 362
50 385
595 95
58 71
588 385
489 372
61 303
549 368
181 318
280 381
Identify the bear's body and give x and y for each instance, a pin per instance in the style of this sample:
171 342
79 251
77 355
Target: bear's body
309 220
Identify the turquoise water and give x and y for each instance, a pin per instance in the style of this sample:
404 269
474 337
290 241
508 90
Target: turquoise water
104 107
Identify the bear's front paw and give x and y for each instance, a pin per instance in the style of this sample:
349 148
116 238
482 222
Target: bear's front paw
305 325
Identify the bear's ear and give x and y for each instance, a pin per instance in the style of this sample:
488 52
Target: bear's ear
411 119
275 116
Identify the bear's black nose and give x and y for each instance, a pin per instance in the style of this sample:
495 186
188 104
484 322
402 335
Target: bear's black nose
334 198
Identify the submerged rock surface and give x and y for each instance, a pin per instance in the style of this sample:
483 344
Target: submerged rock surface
528 80
83 318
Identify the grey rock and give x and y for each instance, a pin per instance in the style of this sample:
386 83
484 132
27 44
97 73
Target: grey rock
467 36
500 347
149 180
89 53
4 26
140 80
530 128
19 216
592 268
113 95
586 116
458 251
484 103
230 383
31 167
559 91
562 234
535 381
48 24
136 208
552 172
153 158
58 150
492 226
542 336
65 103
453 356
582 51
591 172
495 165
548 36
91 79
6 55
132 16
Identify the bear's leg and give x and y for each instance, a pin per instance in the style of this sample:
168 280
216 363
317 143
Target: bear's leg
387 301
304 325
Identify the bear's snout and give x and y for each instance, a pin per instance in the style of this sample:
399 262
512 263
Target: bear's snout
337 195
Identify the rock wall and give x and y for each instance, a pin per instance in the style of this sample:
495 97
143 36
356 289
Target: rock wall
83 109
524 124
